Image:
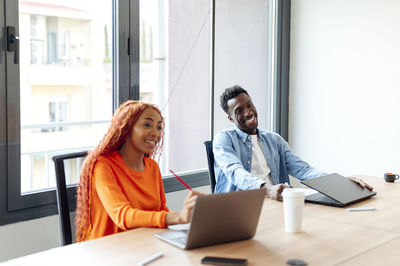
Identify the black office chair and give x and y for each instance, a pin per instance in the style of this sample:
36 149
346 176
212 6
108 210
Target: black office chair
62 195
210 159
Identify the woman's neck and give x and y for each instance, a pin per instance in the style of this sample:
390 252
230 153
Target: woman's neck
133 160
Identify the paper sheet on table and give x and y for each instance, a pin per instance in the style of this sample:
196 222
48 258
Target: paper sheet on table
179 227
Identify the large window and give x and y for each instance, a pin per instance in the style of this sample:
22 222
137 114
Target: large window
60 90
175 75
243 43
65 82
78 60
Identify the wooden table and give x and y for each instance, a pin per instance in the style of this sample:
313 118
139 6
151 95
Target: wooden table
330 236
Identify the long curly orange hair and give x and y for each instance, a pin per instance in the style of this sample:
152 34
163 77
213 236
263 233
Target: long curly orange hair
121 124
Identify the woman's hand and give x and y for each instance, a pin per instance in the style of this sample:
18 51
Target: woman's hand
183 216
188 205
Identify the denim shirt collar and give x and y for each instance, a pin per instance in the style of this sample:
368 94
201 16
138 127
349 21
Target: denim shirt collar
244 136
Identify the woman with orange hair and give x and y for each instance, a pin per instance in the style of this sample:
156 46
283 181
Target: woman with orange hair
120 184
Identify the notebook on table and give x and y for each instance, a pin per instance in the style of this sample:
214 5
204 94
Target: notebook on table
219 218
336 190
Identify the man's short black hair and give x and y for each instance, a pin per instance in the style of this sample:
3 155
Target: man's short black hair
230 93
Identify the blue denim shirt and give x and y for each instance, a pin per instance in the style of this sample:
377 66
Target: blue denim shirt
232 153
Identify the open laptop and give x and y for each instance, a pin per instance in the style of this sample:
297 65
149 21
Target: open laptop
336 190
219 218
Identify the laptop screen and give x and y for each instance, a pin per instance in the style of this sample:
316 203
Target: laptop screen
339 188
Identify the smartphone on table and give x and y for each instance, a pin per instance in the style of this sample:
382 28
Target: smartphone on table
223 261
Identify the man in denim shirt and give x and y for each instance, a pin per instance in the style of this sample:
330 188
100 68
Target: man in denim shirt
247 157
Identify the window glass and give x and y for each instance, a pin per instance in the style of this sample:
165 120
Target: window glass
65 83
242 55
175 75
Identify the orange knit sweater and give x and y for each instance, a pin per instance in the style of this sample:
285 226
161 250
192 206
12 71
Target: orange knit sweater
122 199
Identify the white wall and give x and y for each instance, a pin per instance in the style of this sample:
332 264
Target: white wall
345 85
28 237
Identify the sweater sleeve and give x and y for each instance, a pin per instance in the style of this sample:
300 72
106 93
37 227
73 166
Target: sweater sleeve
117 206
162 191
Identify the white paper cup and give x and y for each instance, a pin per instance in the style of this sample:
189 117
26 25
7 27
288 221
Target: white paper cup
293 202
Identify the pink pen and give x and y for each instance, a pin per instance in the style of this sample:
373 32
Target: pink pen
180 179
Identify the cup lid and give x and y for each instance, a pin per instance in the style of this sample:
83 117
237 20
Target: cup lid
293 192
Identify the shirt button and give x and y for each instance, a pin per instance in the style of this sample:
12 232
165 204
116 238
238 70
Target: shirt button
248 162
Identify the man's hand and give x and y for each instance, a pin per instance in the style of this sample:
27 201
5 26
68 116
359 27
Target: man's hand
275 191
361 183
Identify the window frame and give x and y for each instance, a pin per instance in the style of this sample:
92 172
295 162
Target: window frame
281 65
15 207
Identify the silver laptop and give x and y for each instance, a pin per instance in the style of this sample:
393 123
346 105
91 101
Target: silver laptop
219 218
336 190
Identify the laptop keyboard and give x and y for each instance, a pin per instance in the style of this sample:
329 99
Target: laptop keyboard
181 240
322 198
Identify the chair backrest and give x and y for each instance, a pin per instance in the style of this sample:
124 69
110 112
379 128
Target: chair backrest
210 159
62 196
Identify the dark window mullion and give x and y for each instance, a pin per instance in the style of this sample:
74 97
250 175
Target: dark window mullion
281 118
13 141
122 81
3 119
134 57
